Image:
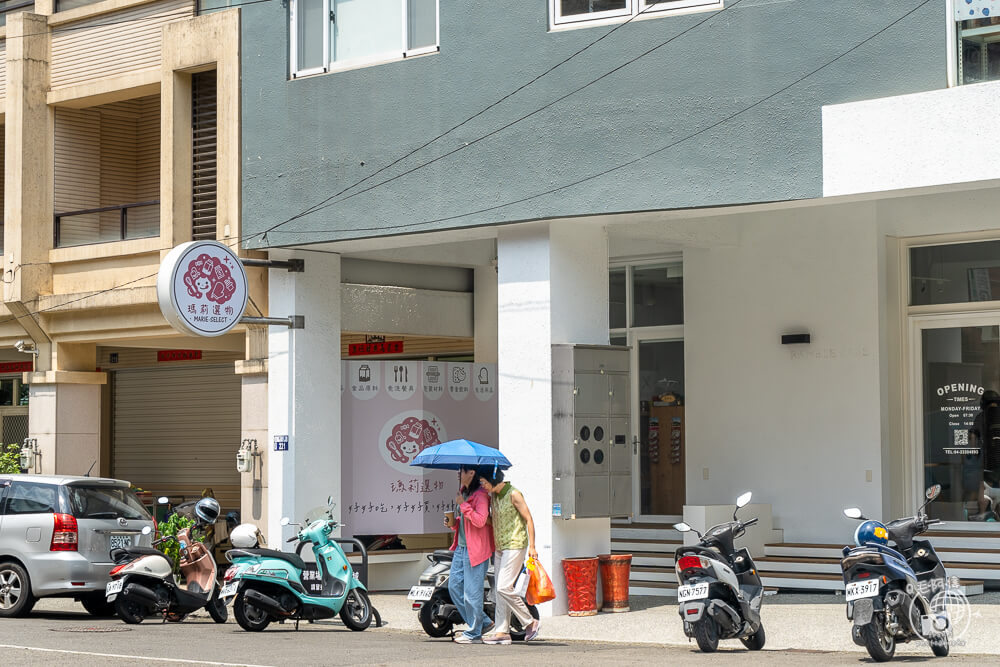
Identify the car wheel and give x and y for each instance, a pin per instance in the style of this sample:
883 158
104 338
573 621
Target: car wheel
97 604
15 591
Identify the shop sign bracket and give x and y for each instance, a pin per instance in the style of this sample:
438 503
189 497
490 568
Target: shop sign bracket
293 265
292 322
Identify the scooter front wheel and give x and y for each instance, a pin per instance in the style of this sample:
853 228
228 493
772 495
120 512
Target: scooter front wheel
217 609
357 610
754 642
248 616
430 618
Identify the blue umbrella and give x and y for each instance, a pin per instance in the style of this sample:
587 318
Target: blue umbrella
455 454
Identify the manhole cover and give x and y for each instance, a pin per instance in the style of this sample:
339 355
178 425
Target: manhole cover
110 628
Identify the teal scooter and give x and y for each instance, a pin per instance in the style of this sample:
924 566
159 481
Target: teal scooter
266 585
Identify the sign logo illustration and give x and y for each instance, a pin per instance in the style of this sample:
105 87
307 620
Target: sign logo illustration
202 288
406 435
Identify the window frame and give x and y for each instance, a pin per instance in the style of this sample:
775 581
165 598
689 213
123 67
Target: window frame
365 61
637 9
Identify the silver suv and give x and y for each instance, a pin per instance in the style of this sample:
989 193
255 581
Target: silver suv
56 533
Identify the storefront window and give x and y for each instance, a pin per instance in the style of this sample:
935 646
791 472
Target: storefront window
961 395
979 49
7 392
657 295
957 273
617 299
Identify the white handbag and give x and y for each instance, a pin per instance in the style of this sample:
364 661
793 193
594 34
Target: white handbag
521 584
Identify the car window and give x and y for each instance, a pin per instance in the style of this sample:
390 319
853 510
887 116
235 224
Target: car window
31 498
93 502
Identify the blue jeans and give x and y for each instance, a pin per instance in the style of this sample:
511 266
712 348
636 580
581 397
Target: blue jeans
465 584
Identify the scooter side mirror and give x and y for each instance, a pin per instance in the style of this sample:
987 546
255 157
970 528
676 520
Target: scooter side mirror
853 513
932 492
163 500
744 500
146 530
329 501
285 521
682 527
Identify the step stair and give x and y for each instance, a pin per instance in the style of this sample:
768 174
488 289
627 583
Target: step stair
652 546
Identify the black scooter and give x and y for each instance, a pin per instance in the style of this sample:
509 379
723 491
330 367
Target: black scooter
720 592
432 601
897 595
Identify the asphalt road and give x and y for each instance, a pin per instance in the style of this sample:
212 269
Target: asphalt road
61 637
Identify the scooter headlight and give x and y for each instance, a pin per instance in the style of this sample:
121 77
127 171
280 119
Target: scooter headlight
440 580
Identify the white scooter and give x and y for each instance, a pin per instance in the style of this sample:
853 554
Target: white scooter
143 580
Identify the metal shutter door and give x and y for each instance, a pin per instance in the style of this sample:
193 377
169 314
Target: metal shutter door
176 431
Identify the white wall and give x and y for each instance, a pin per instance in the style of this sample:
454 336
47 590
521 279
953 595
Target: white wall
941 136
552 288
799 425
303 398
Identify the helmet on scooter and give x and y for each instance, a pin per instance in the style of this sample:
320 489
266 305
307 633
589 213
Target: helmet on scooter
871 532
207 510
245 536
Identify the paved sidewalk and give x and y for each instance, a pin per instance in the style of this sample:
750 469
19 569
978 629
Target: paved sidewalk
791 621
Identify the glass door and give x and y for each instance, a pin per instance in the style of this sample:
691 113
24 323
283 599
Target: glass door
658 371
958 380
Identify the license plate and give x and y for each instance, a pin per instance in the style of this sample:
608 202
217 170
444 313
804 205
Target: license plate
229 590
114 588
692 592
861 589
121 541
420 593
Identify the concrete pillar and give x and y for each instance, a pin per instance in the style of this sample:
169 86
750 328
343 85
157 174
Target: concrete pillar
29 160
65 419
303 391
485 314
553 288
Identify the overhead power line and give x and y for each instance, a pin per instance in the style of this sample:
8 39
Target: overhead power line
623 164
327 202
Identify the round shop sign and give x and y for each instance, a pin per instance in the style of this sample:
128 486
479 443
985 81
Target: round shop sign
202 288
406 435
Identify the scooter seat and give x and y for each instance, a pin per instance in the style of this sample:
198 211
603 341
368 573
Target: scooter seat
281 555
146 551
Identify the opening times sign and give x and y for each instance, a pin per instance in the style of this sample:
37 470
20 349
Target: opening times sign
958 405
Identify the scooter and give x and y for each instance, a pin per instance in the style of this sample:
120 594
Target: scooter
266 585
896 594
143 583
437 613
720 592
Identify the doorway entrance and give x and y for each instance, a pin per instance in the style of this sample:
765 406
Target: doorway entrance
647 313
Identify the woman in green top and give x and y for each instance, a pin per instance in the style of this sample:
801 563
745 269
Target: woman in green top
514 534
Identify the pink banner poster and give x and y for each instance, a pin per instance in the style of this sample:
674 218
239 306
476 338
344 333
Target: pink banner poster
393 410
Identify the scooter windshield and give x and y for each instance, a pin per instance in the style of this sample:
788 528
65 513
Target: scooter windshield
324 512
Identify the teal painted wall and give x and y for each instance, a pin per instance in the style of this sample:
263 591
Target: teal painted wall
306 139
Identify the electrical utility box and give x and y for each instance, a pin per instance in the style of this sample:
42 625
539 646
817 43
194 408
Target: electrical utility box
591 431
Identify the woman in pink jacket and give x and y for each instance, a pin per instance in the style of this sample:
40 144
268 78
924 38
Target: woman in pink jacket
473 546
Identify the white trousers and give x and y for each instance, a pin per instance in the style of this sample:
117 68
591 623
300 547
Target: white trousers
508 566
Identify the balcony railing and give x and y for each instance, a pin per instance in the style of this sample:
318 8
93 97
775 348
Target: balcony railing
107 223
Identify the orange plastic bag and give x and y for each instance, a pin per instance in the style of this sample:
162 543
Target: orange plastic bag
540 588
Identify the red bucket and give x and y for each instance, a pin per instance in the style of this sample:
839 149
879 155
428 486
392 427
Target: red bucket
614 581
581 585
